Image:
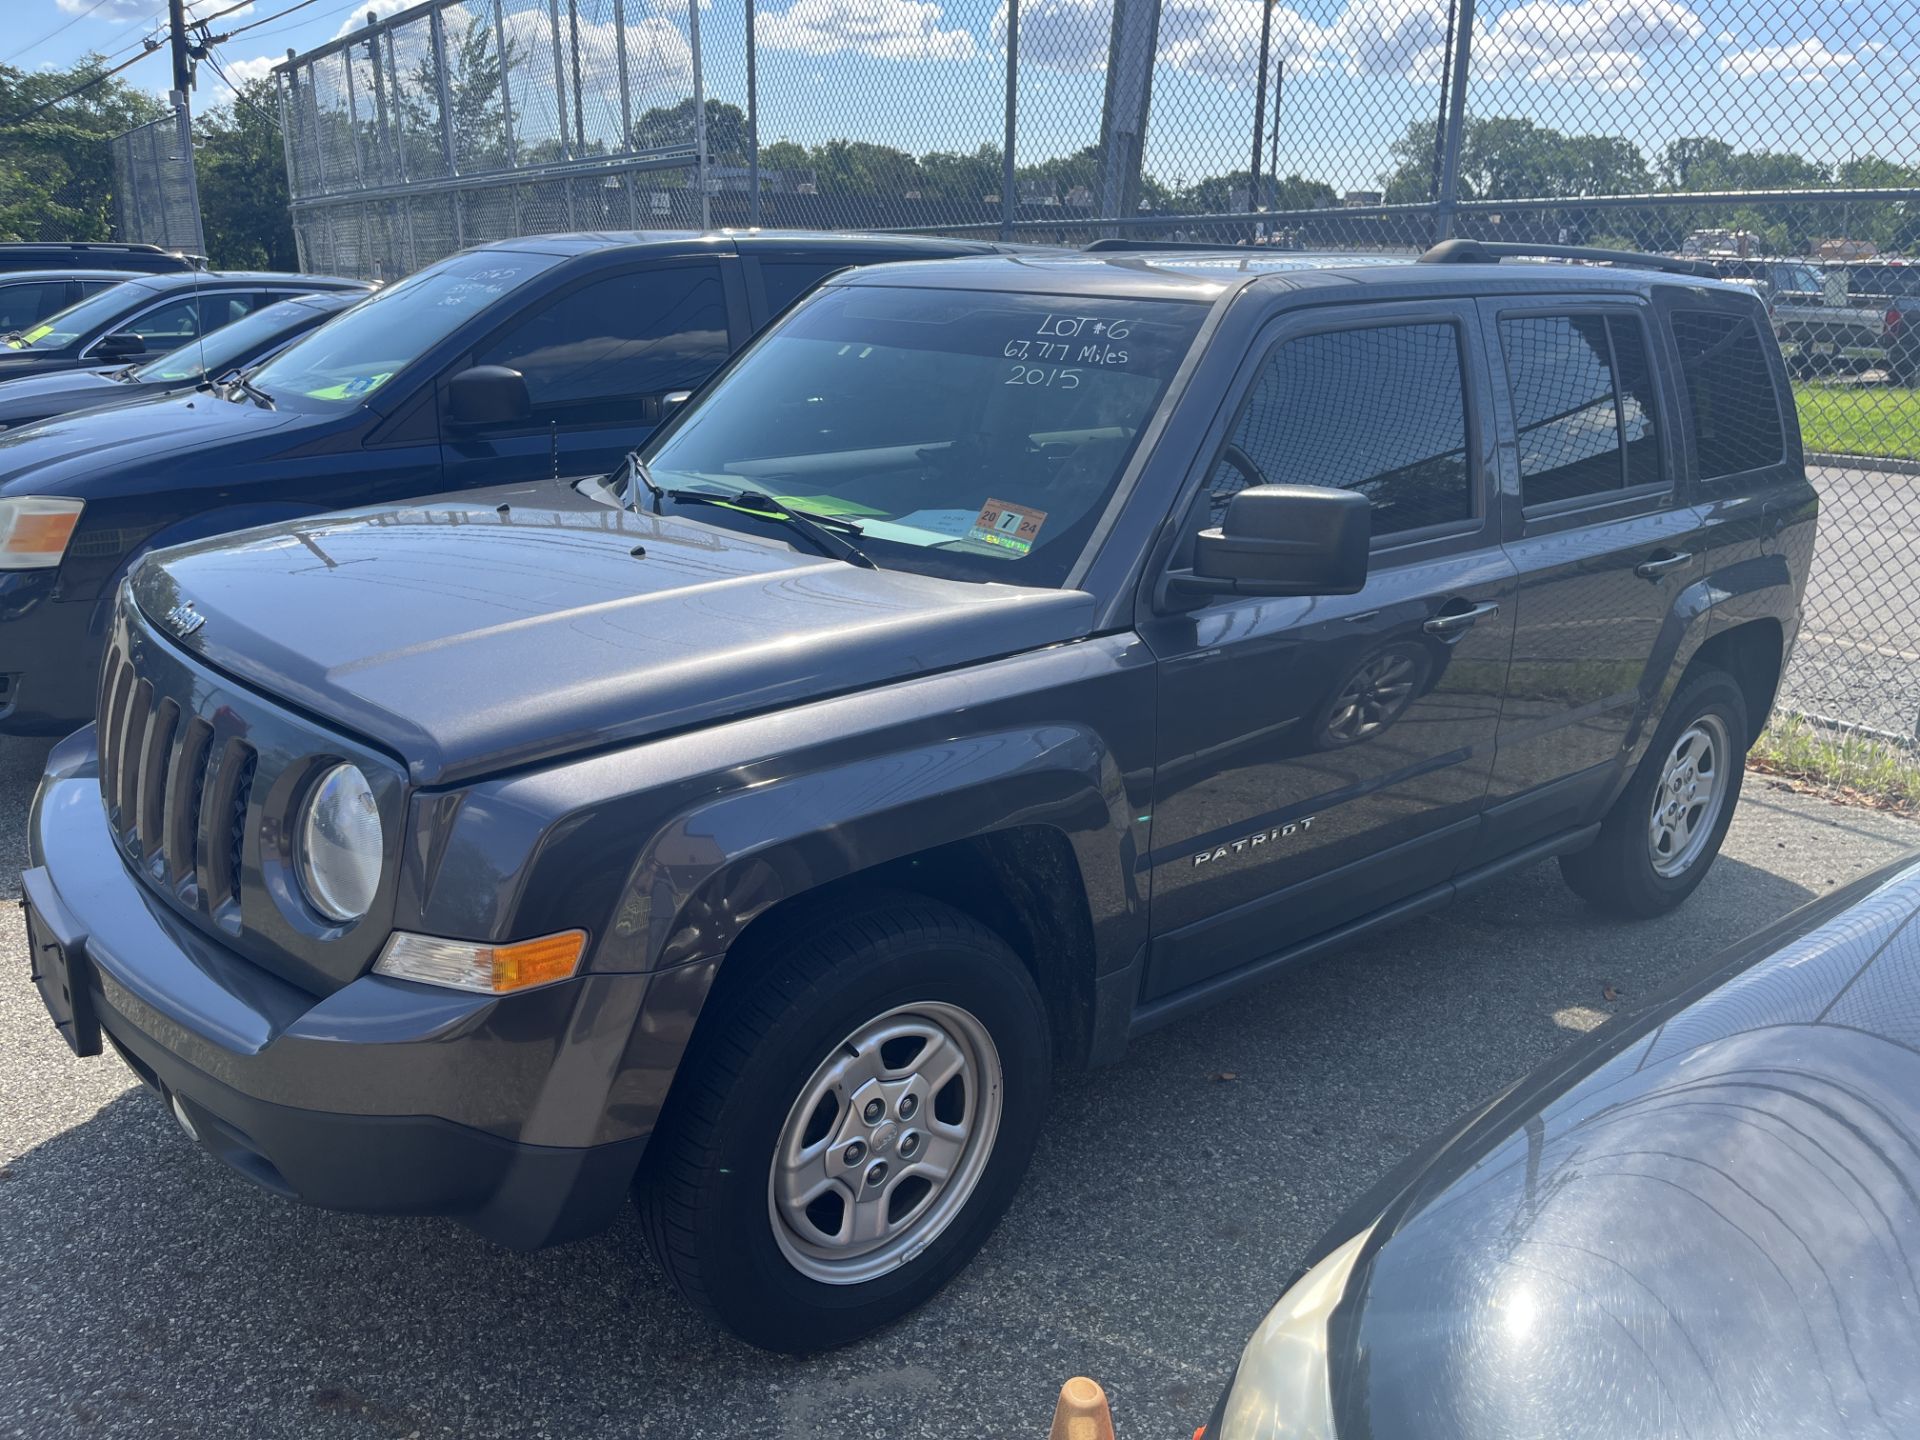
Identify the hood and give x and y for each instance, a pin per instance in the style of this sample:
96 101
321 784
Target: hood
59 454
32 397
1709 1232
505 627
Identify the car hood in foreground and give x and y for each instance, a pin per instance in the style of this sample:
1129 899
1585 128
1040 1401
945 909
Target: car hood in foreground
1711 1229
509 626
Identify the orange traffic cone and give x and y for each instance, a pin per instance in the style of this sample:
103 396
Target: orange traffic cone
1081 1413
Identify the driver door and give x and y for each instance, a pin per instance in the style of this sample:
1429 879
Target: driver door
1321 759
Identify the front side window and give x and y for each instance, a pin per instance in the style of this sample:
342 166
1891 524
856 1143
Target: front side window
167 325
1730 392
966 434
589 355
1381 410
231 345
57 332
1583 405
342 363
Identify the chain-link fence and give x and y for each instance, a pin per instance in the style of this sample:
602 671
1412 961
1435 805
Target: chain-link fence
468 120
156 197
1779 140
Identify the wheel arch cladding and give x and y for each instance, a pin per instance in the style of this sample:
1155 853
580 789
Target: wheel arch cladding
1752 652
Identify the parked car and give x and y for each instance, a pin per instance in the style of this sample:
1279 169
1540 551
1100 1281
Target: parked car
1893 288
515 360
1692 1222
30 296
73 256
149 315
247 341
926 704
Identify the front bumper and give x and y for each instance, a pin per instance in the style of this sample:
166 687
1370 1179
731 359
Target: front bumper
49 655
520 1114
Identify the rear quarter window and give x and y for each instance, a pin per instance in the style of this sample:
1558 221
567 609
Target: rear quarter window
1732 405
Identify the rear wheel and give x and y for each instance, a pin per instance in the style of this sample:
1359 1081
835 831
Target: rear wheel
1661 836
852 1120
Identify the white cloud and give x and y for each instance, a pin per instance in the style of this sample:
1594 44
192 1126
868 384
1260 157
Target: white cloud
1407 38
112 10
1219 39
881 29
1603 42
244 72
1804 62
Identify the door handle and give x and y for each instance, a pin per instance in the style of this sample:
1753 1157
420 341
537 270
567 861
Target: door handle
1658 565
1454 621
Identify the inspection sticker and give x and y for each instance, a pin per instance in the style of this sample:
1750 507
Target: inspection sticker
1007 527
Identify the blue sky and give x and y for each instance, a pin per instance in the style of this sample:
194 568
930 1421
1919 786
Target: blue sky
1827 78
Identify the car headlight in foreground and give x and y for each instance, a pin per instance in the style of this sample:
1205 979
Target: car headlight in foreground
34 530
1282 1390
338 845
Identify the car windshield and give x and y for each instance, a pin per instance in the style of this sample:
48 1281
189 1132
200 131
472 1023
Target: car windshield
966 434
57 332
1894 281
231 345
344 362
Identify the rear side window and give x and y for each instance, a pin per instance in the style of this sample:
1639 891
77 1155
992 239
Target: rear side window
1583 405
589 355
1381 410
1730 395
21 305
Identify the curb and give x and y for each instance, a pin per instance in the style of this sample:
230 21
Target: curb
1864 462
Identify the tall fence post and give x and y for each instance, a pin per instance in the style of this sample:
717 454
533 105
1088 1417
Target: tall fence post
1123 119
288 89
626 82
699 116
1461 62
448 149
753 116
1008 181
506 109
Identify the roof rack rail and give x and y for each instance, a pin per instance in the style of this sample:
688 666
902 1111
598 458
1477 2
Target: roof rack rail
1488 252
1124 242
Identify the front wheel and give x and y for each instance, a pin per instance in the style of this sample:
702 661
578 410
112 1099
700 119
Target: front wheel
1661 836
851 1122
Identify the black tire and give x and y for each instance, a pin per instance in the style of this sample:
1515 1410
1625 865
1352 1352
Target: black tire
1617 873
780 1012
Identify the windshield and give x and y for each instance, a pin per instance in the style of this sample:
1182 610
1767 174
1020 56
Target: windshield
57 332
231 345
344 362
967 434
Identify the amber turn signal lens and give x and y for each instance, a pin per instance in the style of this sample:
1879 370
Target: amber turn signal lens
35 529
535 962
485 969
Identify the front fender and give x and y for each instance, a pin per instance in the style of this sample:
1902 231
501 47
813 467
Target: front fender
712 871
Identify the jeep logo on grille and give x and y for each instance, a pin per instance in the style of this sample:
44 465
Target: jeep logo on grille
184 619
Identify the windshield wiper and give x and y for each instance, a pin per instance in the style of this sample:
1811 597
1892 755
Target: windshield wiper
259 396
631 469
828 532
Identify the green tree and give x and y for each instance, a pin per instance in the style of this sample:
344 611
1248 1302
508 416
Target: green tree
243 183
56 172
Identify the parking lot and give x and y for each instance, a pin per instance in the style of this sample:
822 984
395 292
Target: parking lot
148 1291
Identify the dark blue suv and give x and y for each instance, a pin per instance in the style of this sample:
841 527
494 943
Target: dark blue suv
539 356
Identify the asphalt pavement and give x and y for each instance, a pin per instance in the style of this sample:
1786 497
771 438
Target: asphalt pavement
1858 657
147 1291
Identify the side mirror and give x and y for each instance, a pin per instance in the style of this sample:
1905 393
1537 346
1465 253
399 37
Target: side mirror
120 346
1284 540
488 395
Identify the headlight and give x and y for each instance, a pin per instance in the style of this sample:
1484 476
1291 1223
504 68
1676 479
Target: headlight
34 530
1282 1390
338 847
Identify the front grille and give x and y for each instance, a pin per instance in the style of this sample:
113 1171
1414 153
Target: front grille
199 778
155 774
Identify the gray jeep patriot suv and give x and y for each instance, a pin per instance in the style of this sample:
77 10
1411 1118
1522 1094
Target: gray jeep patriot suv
1000 658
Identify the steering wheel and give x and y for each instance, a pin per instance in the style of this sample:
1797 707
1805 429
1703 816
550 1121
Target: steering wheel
1239 459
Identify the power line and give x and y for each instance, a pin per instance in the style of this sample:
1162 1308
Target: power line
57 30
79 89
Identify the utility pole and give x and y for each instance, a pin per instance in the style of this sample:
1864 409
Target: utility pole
1259 113
177 23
